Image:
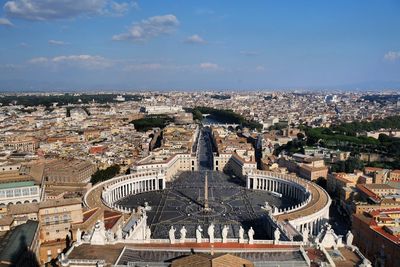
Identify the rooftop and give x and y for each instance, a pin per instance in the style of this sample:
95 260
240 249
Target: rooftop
16 240
8 185
59 202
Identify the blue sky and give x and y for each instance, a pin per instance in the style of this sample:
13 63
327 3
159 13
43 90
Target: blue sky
192 45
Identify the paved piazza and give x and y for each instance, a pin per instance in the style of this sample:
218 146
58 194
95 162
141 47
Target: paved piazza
182 201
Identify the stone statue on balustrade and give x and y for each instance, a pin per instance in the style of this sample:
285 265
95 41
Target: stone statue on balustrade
148 233
199 230
171 234
119 232
99 234
210 232
110 236
250 233
277 235
241 235
349 238
305 235
183 234
225 234
78 236
267 207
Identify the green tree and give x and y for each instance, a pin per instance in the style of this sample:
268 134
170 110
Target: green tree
103 175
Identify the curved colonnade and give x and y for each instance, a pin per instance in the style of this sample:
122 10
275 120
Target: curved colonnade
121 186
312 211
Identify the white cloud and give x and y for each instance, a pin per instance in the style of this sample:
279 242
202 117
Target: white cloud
84 61
5 22
209 66
63 9
56 42
122 8
392 56
195 39
149 28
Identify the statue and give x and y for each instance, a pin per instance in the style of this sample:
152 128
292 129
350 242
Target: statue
277 235
78 236
241 235
210 232
98 236
119 232
172 235
146 206
198 234
225 234
148 233
305 235
110 236
349 238
267 207
250 233
183 234
328 227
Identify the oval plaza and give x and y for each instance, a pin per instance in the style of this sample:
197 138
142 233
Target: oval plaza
177 181
197 193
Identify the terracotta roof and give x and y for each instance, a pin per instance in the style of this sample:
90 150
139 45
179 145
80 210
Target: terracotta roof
59 203
6 221
18 209
368 192
372 169
89 213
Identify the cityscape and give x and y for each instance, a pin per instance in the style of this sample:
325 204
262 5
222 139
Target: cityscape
130 138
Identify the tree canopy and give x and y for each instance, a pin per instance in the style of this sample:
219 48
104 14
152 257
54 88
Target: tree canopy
103 175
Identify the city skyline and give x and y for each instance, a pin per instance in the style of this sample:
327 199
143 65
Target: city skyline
186 45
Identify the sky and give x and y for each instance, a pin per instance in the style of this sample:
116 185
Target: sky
199 45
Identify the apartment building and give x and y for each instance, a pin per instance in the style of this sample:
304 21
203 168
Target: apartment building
56 218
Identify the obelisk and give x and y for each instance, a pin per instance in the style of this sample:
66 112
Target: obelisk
206 207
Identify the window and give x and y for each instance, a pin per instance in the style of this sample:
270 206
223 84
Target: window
34 190
25 191
9 193
65 218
